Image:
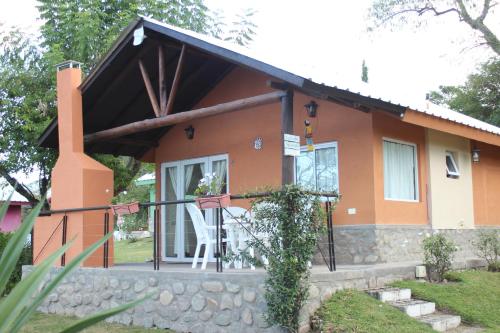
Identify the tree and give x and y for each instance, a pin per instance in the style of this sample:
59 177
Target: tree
413 11
364 72
27 103
479 97
81 30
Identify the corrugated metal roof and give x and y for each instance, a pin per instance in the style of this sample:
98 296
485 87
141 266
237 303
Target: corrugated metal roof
360 88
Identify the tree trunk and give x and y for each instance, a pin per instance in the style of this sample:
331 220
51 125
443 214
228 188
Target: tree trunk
20 188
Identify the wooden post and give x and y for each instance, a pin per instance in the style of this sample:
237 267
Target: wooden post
287 162
149 88
175 82
162 80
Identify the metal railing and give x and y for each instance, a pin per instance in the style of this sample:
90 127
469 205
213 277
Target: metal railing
330 261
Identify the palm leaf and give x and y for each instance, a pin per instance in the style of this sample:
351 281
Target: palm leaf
27 312
89 321
14 303
15 246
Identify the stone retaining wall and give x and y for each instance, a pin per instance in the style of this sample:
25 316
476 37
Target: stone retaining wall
195 301
370 244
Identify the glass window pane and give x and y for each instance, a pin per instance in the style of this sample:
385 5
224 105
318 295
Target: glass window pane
220 170
326 169
192 175
399 171
450 165
172 238
305 174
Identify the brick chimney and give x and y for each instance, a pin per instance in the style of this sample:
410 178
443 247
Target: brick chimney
69 108
78 181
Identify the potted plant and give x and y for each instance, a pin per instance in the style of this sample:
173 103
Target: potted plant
209 193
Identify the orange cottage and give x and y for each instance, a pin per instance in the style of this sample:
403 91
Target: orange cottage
402 172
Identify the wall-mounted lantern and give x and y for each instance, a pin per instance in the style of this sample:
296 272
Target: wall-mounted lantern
189 132
311 108
475 155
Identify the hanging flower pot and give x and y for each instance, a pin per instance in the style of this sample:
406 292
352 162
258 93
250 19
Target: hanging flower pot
214 201
125 209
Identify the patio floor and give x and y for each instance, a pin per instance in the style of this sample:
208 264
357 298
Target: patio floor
342 272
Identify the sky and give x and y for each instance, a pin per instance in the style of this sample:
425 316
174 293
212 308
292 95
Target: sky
327 40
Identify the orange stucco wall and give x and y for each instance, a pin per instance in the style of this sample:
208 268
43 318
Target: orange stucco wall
398 212
486 185
359 138
251 169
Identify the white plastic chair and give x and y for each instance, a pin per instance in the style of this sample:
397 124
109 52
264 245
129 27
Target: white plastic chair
203 234
237 236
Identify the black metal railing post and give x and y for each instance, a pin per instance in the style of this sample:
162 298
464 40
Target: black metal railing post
331 246
217 238
220 250
64 234
106 244
158 238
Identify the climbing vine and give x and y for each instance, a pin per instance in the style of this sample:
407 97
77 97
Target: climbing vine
287 225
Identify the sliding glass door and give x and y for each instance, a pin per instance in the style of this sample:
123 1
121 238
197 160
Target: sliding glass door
179 181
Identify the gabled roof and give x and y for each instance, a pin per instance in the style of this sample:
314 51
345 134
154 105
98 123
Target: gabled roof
114 94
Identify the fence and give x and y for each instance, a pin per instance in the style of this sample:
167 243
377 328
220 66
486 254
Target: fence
329 258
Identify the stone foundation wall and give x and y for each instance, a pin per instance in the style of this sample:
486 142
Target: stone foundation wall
371 244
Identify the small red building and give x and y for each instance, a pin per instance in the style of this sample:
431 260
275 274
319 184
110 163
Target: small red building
12 219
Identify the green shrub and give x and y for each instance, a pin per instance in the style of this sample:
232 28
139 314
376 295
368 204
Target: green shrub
293 222
487 247
438 255
24 259
494 267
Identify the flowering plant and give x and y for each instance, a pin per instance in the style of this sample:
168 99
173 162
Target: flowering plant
209 185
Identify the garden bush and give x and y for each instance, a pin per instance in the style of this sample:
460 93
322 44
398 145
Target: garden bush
487 247
293 221
24 259
438 255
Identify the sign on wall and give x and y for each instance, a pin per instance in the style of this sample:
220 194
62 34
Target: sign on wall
291 145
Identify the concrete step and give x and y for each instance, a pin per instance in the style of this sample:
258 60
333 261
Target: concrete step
414 307
390 294
441 322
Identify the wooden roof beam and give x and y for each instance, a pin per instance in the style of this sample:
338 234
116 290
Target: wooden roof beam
175 83
149 88
162 79
149 124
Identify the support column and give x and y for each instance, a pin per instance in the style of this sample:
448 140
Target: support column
287 162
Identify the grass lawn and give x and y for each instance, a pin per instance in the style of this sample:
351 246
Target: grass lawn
51 323
355 311
139 251
475 296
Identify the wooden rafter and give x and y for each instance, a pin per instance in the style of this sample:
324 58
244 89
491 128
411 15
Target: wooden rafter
118 79
149 124
133 142
149 88
175 83
162 79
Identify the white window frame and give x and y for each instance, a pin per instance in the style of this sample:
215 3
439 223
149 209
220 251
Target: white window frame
180 164
415 157
449 173
332 144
